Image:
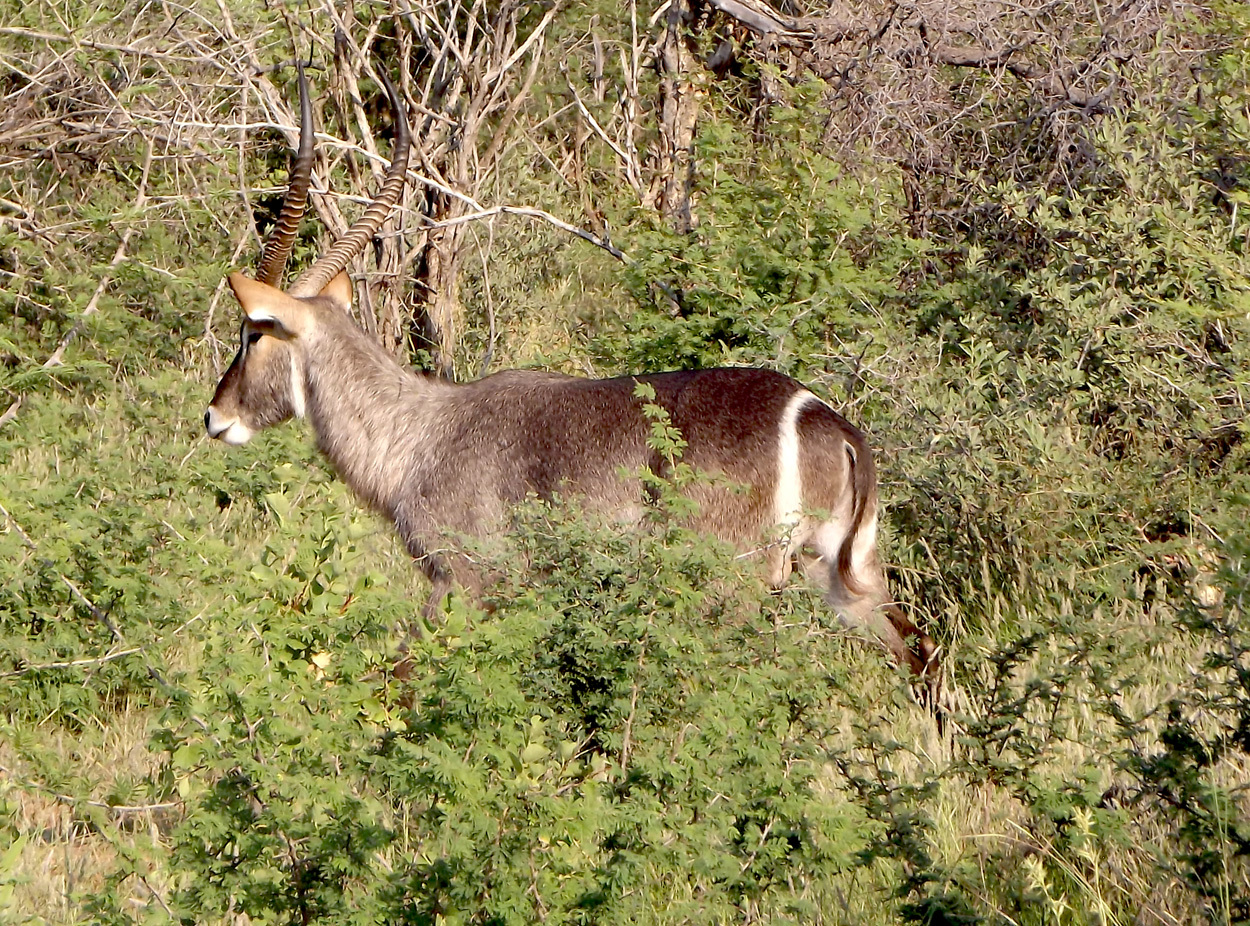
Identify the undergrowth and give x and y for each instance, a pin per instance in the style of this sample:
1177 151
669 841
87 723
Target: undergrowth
200 717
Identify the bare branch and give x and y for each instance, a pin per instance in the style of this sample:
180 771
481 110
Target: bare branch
630 164
533 37
11 412
756 16
530 212
73 663
55 39
119 255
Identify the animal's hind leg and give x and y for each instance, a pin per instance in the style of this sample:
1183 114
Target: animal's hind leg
918 651
869 607
780 563
854 608
446 572
444 565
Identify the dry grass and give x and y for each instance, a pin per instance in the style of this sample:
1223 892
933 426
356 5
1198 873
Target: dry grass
75 843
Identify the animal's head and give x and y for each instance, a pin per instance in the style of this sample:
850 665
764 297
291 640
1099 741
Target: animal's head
264 384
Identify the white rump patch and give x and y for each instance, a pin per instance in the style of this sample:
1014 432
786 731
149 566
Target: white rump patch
788 493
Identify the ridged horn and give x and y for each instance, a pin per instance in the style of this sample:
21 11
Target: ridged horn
332 262
282 238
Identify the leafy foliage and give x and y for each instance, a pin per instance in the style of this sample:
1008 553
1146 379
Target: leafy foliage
210 703
786 267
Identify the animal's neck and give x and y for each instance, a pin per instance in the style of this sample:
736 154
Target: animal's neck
375 420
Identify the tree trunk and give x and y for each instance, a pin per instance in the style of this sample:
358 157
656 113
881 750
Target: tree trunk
672 187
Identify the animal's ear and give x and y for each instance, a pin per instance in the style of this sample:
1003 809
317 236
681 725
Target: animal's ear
339 291
284 316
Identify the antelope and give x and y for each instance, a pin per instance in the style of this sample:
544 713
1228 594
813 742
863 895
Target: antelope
437 458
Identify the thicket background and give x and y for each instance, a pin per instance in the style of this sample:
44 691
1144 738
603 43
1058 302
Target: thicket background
1009 239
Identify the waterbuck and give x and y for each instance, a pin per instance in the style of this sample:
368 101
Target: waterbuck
438 458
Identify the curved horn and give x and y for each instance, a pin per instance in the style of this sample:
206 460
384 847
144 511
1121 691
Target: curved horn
332 262
282 239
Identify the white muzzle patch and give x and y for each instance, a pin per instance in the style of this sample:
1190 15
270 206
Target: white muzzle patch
228 430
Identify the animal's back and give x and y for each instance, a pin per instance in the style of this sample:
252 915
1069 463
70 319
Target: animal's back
545 434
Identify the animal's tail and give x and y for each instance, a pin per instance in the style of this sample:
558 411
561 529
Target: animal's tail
863 480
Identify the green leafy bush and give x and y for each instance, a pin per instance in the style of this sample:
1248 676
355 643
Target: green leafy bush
201 718
640 735
789 263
